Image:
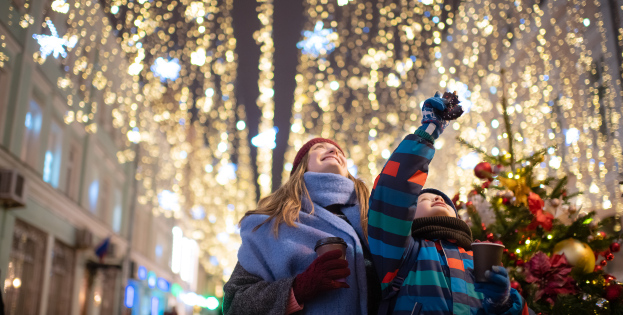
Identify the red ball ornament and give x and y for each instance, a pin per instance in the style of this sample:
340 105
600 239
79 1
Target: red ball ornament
520 262
615 247
515 285
609 278
602 234
613 292
610 257
603 263
597 269
512 256
505 250
490 237
483 170
506 200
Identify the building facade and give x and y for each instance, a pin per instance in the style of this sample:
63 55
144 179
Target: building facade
81 244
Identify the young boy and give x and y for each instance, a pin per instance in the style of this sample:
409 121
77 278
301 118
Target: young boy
405 218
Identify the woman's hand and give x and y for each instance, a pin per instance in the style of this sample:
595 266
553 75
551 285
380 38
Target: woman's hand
320 276
496 290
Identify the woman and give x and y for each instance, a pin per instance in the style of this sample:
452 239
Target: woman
278 270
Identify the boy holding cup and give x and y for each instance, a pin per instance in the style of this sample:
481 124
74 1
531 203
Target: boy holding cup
421 249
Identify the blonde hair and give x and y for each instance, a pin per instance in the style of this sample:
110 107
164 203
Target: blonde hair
284 205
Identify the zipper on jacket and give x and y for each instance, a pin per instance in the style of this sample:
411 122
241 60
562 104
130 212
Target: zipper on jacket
444 252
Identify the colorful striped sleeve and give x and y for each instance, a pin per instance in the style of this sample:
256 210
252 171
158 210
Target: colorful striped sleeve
393 203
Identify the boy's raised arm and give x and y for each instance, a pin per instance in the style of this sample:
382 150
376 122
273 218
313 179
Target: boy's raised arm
395 192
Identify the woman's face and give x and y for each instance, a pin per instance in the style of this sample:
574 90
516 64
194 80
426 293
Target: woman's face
431 205
326 158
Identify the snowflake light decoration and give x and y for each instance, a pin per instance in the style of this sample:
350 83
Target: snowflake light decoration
319 41
53 44
166 70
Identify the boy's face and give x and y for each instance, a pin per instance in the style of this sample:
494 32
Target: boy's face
431 205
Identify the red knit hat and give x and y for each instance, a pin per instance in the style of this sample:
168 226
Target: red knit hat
307 146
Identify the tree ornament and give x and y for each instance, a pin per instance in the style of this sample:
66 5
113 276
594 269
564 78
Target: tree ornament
603 263
551 275
483 170
609 278
515 285
598 268
490 237
520 262
578 254
615 247
610 257
613 291
555 202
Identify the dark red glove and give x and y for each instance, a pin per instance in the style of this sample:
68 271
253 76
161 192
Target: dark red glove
320 276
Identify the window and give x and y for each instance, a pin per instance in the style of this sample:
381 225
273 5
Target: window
33 125
93 192
73 167
52 157
22 284
61 280
103 202
117 211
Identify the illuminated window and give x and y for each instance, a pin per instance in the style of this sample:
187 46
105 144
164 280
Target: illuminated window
31 137
117 211
52 157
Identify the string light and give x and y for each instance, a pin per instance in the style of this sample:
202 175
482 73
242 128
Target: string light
264 36
560 86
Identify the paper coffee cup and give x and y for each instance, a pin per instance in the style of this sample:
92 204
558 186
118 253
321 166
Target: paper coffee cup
331 243
485 255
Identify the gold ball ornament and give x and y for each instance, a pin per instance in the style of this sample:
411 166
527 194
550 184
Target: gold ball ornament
578 254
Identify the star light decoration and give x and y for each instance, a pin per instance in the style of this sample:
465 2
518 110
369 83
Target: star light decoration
53 44
318 42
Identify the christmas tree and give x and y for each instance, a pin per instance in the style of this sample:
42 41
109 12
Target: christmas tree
554 250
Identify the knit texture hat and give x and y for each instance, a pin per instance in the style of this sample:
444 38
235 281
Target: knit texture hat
307 146
441 194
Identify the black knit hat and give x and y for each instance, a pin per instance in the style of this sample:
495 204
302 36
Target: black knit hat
443 195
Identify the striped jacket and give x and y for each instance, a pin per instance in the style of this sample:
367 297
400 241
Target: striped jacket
440 281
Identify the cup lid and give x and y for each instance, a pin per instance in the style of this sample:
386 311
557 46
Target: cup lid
330 240
494 244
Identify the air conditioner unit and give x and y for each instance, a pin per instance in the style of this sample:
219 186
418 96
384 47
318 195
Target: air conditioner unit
84 239
12 189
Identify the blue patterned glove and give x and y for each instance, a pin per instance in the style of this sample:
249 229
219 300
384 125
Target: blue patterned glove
497 291
432 124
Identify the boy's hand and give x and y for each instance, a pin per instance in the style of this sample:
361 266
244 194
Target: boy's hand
433 111
496 291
